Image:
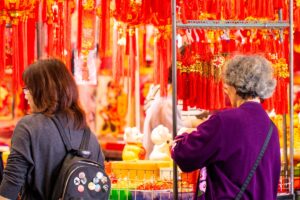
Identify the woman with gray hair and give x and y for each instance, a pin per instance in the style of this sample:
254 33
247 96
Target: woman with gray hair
250 76
239 146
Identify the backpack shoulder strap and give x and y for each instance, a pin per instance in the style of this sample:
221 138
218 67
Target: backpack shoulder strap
62 133
84 145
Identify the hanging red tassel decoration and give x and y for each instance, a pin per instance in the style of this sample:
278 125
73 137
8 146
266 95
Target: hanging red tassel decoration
146 11
54 28
79 31
2 39
17 12
164 58
86 39
60 32
118 53
15 58
104 33
55 22
132 58
144 48
240 9
30 40
215 9
2 48
68 9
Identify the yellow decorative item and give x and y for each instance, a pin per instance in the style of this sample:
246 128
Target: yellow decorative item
138 169
133 149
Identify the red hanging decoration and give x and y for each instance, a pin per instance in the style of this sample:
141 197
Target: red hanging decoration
2 39
132 57
128 11
30 29
104 35
86 35
57 16
2 48
17 12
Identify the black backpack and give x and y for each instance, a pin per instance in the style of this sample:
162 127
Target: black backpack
79 178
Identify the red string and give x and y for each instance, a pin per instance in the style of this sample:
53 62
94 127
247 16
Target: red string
30 40
104 39
50 39
2 49
132 61
15 58
79 37
20 67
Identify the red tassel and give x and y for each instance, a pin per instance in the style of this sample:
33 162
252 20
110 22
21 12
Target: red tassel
205 96
240 9
79 36
15 58
200 96
21 53
144 45
67 32
132 61
2 49
30 40
185 90
179 85
127 42
60 36
44 10
50 40
104 39
146 10
222 95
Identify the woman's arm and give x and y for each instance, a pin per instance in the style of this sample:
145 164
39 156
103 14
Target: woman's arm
18 163
197 149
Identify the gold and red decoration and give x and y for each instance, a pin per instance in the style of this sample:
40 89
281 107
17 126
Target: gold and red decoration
203 55
86 34
230 9
21 16
56 15
103 11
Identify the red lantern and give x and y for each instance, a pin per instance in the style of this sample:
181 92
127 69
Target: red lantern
128 11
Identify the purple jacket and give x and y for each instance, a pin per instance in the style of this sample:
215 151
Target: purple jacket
228 144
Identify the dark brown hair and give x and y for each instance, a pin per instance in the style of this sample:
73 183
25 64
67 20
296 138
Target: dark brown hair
54 90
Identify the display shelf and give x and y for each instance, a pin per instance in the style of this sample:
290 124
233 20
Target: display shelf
232 24
285 197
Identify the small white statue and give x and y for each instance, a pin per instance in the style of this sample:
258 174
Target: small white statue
161 138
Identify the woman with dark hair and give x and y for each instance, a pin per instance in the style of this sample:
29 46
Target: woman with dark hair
37 149
230 142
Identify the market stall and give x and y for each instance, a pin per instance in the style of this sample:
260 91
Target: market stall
121 51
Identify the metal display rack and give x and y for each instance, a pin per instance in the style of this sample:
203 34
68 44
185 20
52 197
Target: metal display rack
211 24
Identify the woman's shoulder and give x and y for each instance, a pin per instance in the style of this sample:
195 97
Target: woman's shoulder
228 112
230 116
32 123
33 118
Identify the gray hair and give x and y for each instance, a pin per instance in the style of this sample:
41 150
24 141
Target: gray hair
251 76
